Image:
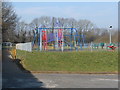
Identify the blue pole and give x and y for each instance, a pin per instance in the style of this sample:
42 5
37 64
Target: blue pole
71 38
34 39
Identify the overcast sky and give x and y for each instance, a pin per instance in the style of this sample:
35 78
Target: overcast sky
102 14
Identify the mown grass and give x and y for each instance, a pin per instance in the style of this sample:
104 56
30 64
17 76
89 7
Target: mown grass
82 61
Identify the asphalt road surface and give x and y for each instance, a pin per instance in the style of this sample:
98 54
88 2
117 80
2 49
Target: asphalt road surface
14 77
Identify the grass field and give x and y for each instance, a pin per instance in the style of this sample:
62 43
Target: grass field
82 61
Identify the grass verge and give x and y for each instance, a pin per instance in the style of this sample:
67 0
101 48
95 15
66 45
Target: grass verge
82 61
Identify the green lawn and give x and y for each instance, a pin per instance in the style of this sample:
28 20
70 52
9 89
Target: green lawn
82 61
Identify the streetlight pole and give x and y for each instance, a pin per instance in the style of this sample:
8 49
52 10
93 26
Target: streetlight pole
110 34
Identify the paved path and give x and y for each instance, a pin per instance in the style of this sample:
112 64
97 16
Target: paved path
14 77
0 68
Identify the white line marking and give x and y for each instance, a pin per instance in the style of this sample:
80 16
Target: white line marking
109 79
102 79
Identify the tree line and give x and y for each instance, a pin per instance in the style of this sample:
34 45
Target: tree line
16 31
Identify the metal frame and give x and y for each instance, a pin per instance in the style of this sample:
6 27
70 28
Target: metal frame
39 33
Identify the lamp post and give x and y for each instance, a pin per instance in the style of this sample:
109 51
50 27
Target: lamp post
110 33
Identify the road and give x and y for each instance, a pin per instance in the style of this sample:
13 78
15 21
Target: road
78 80
14 77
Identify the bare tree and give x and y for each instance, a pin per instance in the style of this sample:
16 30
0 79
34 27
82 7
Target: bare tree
85 25
9 20
35 23
22 29
45 21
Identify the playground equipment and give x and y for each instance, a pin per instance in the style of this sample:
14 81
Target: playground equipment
97 45
55 37
102 45
111 46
